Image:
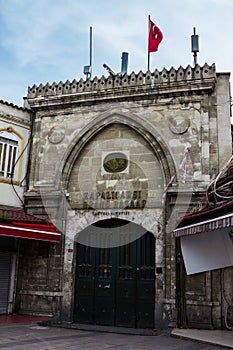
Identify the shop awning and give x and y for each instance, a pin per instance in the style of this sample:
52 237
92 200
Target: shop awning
207 245
16 223
206 235
218 223
38 232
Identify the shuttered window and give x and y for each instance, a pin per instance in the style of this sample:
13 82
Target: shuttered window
8 156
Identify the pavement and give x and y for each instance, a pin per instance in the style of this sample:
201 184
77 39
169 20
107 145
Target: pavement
27 334
216 337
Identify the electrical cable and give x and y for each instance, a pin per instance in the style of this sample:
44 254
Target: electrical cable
13 169
217 178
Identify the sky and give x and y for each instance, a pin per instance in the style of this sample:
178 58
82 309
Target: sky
48 40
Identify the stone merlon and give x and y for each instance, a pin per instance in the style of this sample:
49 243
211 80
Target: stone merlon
182 80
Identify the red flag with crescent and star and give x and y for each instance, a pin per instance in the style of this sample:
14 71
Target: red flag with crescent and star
155 37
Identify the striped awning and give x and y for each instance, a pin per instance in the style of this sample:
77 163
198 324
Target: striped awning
221 222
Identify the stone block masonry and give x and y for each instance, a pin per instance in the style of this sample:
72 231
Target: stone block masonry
149 118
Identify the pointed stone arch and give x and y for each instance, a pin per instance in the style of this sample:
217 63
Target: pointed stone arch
140 125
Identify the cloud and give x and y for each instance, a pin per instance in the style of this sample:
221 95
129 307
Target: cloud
45 40
30 38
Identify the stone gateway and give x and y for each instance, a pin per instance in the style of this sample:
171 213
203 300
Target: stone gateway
103 154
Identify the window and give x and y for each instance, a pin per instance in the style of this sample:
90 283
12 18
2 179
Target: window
9 149
8 153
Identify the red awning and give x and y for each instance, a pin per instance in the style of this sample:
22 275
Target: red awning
15 222
222 222
46 232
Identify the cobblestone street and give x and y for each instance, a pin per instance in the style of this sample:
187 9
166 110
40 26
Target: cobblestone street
30 336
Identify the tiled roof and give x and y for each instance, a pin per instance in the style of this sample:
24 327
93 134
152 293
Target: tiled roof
15 214
14 222
10 104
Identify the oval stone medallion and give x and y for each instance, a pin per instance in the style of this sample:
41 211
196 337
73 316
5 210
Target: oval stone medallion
115 162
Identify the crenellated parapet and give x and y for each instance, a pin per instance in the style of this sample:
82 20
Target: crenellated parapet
133 82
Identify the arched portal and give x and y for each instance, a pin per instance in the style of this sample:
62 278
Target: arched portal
115 172
116 286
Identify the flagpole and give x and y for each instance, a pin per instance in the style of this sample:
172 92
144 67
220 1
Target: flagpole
148 64
90 50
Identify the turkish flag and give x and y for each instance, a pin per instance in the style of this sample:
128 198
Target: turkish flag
155 37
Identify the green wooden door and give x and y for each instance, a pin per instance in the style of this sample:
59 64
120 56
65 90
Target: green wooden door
145 299
126 286
104 295
135 283
115 286
85 285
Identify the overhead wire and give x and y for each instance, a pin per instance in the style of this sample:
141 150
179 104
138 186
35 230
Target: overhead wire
217 179
13 170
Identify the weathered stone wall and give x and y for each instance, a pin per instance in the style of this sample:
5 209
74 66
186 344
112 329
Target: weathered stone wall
140 185
153 116
39 276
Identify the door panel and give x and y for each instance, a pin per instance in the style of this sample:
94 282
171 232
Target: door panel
126 286
85 301
125 304
85 285
116 286
145 304
104 290
146 281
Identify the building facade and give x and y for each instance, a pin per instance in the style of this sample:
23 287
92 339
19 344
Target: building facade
15 128
16 226
14 138
114 162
